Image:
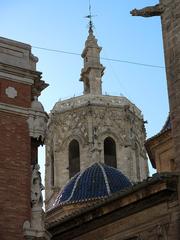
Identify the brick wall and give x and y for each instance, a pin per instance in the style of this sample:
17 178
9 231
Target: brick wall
14 175
23 98
19 81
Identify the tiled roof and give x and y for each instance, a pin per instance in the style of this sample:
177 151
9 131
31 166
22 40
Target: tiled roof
167 125
124 192
96 182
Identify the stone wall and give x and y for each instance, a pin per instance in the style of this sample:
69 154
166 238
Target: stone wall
171 38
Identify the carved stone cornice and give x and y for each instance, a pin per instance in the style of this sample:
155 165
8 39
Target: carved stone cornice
4 107
18 71
95 100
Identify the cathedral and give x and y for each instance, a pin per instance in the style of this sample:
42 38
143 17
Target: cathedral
97 184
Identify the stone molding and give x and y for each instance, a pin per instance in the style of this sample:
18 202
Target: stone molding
17 54
4 107
97 100
15 78
15 43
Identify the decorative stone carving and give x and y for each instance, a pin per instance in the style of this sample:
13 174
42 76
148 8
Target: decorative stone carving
90 119
150 11
36 188
11 92
35 228
96 147
37 120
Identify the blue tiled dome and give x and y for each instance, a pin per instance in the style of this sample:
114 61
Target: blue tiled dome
97 181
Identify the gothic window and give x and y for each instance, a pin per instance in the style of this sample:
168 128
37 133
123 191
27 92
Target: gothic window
110 152
74 158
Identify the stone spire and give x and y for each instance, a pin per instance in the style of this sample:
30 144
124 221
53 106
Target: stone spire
93 70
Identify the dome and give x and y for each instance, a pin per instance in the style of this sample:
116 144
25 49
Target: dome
36 105
95 182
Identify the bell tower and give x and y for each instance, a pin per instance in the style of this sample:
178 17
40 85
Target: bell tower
93 128
22 129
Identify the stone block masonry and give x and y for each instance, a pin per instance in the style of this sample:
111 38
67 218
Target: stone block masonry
171 38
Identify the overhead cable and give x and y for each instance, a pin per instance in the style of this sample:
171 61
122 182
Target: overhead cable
103 58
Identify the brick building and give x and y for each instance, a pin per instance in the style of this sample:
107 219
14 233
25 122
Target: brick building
22 129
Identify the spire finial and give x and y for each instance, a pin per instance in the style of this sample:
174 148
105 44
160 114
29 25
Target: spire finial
90 16
93 70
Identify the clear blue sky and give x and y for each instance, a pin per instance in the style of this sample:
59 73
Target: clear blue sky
60 24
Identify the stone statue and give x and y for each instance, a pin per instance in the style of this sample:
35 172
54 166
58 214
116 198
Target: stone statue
150 11
96 152
36 188
96 148
34 229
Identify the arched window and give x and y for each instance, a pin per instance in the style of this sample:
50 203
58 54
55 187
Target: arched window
74 158
110 152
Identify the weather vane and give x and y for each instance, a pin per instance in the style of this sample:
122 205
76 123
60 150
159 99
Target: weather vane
90 16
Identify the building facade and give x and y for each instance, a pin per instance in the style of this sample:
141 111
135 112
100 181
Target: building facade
22 130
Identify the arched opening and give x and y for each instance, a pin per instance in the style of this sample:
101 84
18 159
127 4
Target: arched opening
110 152
74 158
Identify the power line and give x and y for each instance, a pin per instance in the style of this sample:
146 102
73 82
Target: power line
58 51
107 59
